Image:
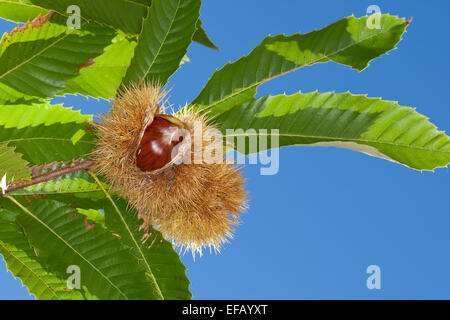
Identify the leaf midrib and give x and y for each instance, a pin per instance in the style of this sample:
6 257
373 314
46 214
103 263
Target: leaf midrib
47 138
356 140
30 193
165 37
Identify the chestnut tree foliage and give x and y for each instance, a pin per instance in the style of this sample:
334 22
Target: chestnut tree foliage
47 225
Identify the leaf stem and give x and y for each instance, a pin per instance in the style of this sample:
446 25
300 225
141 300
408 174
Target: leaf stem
80 166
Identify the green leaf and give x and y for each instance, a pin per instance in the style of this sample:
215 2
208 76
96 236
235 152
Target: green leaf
102 79
348 41
20 10
63 238
64 185
74 184
379 128
9 95
201 37
86 201
76 189
124 15
156 254
39 58
22 261
165 37
44 133
12 164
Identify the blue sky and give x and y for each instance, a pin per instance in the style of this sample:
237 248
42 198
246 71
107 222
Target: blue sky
313 229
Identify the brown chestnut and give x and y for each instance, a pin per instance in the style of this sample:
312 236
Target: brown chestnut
159 143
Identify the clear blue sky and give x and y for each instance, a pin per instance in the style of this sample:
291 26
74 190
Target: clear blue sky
313 229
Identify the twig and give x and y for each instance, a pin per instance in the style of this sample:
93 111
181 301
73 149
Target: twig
85 165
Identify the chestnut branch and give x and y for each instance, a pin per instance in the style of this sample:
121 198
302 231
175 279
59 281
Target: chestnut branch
79 166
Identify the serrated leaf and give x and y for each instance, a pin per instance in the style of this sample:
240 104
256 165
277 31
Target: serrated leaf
12 165
348 41
38 58
62 237
102 79
44 133
22 261
379 128
166 34
73 184
154 252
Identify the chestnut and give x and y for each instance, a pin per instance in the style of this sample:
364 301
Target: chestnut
159 143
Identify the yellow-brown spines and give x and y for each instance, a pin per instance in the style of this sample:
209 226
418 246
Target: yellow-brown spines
192 204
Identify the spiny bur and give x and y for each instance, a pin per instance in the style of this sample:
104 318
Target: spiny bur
149 155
